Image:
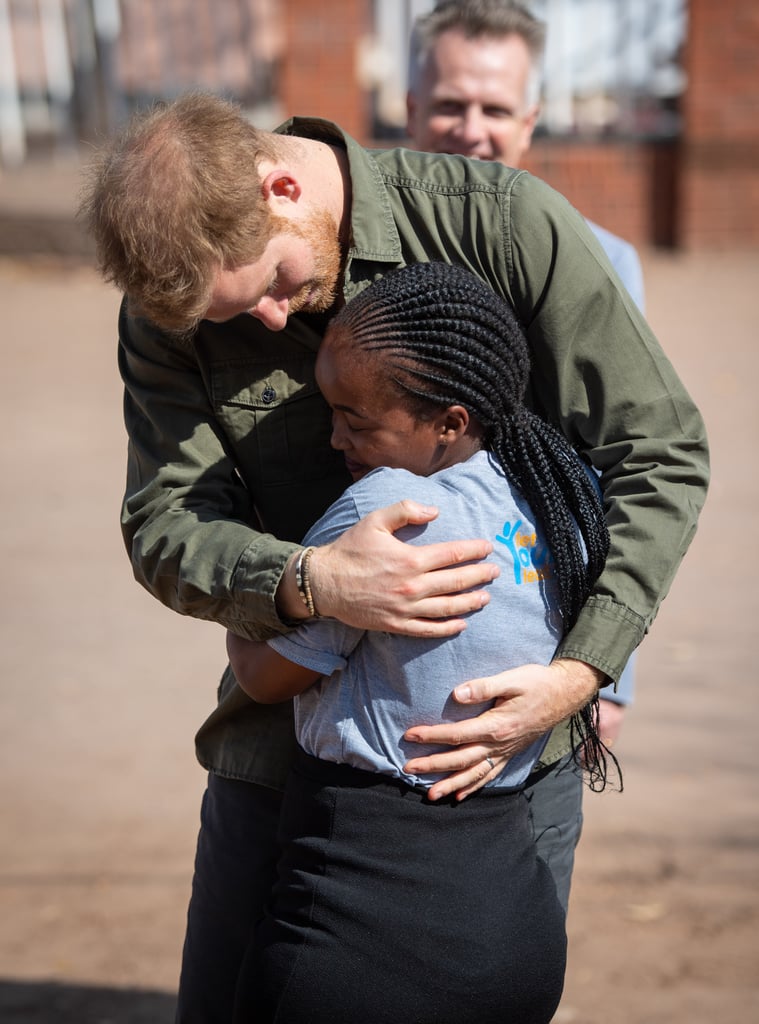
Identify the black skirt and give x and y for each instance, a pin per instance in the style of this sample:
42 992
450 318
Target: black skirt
391 909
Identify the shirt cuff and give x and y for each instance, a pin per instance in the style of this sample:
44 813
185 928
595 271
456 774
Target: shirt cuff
605 635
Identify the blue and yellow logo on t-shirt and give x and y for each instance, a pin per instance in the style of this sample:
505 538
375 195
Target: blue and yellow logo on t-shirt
532 559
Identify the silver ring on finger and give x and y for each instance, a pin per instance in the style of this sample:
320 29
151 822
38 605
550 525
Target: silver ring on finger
491 762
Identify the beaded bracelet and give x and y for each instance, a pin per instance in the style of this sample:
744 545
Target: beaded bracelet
303 581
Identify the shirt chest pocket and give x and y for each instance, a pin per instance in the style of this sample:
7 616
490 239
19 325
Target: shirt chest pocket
275 420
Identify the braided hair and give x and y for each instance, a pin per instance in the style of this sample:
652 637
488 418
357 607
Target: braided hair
443 337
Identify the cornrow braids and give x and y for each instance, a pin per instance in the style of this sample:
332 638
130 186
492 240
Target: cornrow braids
445 338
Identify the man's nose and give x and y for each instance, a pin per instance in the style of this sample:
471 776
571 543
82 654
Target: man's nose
271 312
472 128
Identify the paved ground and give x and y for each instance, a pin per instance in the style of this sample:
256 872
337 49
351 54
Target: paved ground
103 689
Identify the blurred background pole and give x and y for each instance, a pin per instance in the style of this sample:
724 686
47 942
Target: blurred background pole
106 24
12 134
96 101
59 82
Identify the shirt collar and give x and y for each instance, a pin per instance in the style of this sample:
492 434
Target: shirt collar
374 235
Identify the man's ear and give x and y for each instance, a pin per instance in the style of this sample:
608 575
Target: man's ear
453 424
528 127
410 115
280 185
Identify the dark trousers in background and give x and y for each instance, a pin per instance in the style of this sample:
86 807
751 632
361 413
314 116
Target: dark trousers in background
555 798
235 869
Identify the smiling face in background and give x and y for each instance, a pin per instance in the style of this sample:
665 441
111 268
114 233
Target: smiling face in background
472 98
371 423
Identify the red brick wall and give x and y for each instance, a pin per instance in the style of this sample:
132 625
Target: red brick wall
319 70
720 156
702 193
625 187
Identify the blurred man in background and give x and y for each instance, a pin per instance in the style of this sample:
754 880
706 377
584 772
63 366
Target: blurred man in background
474 89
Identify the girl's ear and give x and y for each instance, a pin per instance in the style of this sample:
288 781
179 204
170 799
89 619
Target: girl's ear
453 424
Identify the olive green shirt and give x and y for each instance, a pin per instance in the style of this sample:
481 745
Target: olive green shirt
229 454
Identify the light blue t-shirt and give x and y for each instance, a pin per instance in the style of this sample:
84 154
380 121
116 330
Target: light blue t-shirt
377 685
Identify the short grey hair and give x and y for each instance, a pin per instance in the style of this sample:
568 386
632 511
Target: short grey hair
479 18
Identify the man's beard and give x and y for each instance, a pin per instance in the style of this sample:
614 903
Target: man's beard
318 294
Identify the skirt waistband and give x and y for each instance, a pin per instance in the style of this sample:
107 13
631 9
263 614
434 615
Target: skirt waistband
330 773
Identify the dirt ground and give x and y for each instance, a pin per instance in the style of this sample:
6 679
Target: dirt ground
102 690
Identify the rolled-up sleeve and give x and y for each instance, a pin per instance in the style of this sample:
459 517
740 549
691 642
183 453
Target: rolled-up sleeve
187 517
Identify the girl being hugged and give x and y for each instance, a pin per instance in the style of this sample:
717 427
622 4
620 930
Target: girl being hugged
391 905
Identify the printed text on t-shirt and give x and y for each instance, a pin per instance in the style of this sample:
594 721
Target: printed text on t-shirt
532 559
